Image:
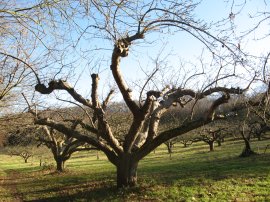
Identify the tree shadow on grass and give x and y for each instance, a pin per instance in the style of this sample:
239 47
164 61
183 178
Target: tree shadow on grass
99 191
88 187
213 169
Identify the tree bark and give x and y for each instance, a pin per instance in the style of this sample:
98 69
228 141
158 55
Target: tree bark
60 164
211 145
169 147
127 171
219 142
247 151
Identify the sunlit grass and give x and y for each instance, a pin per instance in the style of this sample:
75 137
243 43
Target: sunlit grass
191 174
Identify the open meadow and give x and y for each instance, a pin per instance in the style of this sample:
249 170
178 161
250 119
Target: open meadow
191 174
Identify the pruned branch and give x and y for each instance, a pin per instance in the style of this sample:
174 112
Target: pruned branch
62 85
106 101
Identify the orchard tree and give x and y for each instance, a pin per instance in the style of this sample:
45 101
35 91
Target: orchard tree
28 42
246 132
24 153
20 142
186 142
61 146
170 144
125 24
260 108
257 110
210 135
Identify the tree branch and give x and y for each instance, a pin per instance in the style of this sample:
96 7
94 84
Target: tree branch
62 85
70 133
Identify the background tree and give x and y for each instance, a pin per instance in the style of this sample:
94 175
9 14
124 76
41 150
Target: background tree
28 43
170 144
186 142
211 135
62 147
256 118
21 142
246 132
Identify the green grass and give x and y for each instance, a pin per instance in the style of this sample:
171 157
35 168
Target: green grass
192 174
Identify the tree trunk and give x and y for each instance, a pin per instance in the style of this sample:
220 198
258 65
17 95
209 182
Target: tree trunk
25 160
219 142
247 151
60 164
169 147
126 172
211 145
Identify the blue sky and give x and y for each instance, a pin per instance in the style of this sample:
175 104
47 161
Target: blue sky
176 49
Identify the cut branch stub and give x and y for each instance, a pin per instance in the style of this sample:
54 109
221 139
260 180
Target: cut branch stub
94 95
42 89
122 47
223 99
156 94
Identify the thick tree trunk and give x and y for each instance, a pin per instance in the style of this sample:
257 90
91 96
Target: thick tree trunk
60 164
126 172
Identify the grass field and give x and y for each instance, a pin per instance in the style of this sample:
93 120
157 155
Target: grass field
192 174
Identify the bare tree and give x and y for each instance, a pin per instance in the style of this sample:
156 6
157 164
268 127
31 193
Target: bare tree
209 136
186 142
22 45
246 132
23 153
125 23
20 142
170 144
257 107
62 147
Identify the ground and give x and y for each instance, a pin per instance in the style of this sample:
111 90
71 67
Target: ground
192 174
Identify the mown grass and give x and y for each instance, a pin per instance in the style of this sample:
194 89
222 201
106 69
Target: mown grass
191 174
